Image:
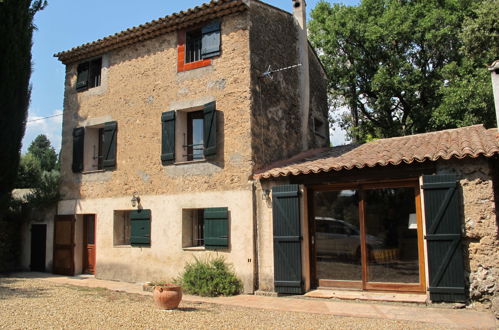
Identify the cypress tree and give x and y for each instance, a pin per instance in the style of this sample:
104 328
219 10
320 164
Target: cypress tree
16 33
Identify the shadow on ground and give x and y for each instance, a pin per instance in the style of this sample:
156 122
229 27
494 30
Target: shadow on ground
9 288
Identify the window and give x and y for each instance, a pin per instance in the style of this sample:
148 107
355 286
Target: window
196 47
206 228
189 134
132 227
94 147
89 74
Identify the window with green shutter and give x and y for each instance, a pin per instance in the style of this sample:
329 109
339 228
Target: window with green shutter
208 228
89 74
198 129
140 227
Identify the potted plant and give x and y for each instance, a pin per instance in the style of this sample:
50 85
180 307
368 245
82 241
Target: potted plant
166 295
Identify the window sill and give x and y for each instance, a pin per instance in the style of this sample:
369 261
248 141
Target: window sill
122 246
93 171
190 162
193 65
194 248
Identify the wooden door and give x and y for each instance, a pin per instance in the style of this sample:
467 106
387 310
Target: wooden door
64 229
38 247
89 243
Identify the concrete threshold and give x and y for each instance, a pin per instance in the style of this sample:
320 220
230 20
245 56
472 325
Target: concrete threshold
368 296
462 318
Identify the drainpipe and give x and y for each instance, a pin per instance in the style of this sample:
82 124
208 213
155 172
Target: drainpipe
494 71
300 15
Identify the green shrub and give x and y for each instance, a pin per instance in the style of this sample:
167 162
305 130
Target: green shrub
209 278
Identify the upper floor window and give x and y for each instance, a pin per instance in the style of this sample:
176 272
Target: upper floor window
94 147
89 74
189 134
197 46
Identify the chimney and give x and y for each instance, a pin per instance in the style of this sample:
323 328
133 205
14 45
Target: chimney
300 15
494 71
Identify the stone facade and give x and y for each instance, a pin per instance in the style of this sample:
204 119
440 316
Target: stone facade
478 182
259 121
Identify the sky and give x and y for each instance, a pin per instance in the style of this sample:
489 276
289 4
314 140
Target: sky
64 24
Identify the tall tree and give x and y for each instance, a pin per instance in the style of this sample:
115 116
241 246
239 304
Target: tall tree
41 149
387 61
16 32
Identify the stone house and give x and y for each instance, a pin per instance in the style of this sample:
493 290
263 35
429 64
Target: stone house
182 138
164 126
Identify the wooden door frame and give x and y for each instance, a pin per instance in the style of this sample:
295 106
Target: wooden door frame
364 284
84 249
70 246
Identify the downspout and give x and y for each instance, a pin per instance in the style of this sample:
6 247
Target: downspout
300 15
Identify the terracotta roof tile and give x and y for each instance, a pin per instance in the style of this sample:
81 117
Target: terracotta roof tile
471 141
149 30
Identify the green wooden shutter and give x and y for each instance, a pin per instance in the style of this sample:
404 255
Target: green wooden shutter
216 227
141 227
82 78
168 137
443 238
210 129
78 140
287 239
210 44
109 145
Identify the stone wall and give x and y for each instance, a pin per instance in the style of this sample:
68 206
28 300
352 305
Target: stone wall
319 136
139 82
276 115
480 227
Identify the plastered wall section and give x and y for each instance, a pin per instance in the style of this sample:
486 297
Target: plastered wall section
39 218
140 82
480 227
165 258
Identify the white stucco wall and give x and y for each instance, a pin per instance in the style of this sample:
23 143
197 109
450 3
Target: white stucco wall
165 258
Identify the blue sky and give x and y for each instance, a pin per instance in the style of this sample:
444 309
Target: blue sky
65 24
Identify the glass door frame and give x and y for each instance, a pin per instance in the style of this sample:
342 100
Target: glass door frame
364 284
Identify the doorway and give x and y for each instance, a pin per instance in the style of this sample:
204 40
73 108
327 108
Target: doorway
38 247
367 237
89 244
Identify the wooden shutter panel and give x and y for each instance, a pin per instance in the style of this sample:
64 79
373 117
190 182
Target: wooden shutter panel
210 44
168 137
443 238
78 140
141 227
109 145
216 227
287 239
82 78
210 129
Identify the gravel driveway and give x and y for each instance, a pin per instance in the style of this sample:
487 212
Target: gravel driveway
37 304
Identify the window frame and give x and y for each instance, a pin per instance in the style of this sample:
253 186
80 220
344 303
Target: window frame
183 51
94 75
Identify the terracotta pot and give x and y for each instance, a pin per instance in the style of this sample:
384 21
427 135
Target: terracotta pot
167 296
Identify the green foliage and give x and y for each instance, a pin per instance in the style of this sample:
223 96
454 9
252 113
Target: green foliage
44 152
16 31
46 193
210 278
387 61
29 172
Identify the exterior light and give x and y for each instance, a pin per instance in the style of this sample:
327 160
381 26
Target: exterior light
265 194
135 199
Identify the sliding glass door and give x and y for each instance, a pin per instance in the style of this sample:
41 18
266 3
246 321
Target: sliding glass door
368 237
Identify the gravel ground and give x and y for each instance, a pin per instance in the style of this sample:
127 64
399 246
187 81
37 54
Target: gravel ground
38 304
